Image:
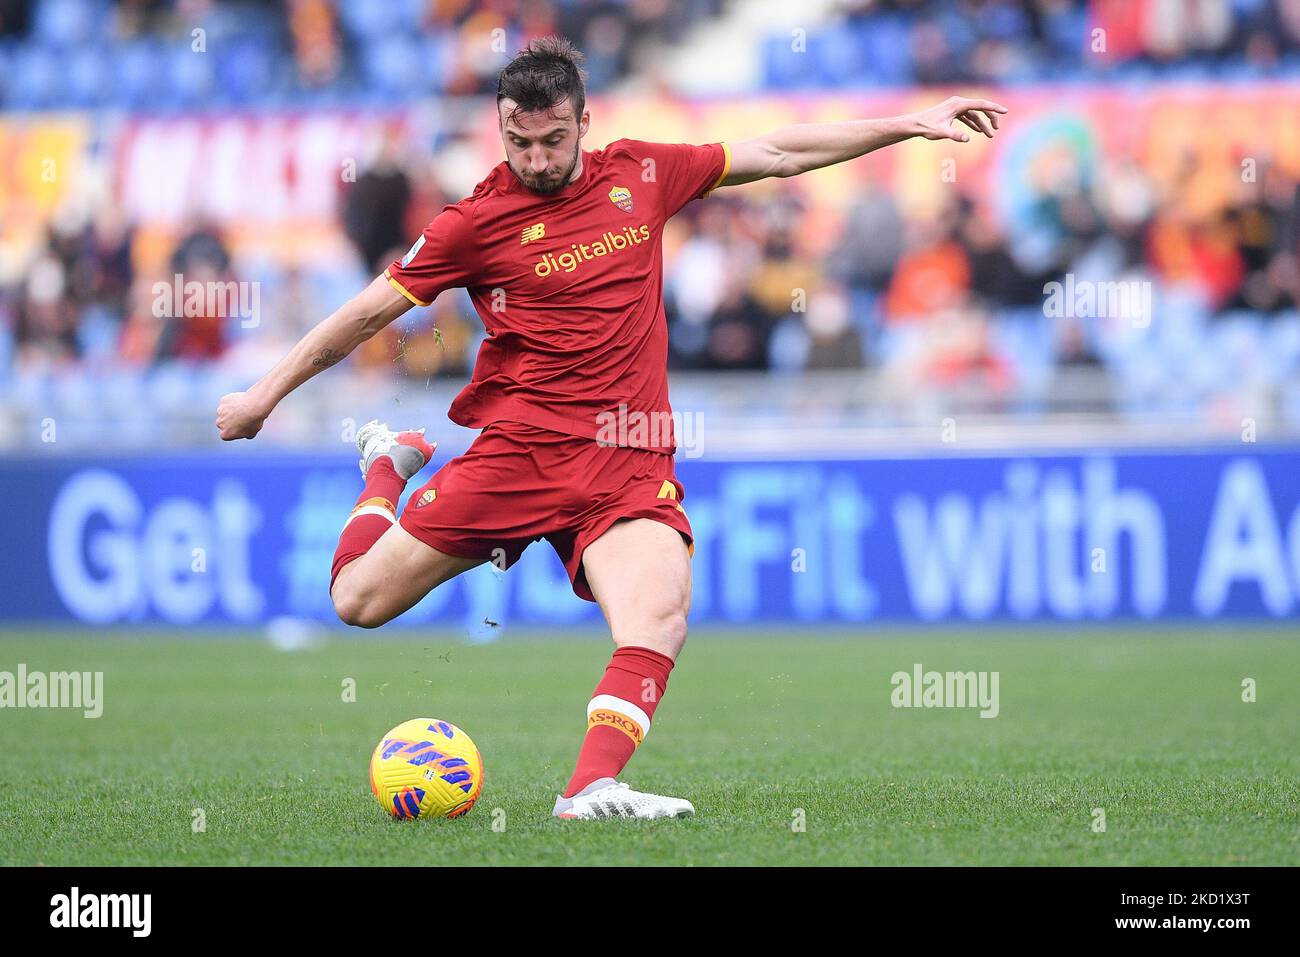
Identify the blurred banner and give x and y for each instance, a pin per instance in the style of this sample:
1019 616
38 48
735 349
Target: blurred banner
1067 537
164 171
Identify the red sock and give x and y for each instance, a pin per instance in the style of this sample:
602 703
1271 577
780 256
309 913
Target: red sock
374 514
618 716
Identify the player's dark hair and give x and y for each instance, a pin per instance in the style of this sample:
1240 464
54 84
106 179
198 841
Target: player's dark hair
543 75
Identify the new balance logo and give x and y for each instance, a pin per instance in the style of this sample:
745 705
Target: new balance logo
669 490
533 233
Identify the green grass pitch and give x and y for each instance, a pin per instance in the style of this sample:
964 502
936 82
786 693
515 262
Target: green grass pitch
758 731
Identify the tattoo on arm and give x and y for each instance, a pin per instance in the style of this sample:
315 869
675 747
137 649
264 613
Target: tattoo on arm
328 357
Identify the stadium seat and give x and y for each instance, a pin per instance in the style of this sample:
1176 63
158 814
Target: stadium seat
1238 338
783 69
171 386
1289 405
789 346
367 21
1282 347
64 25
249 71
1003 21
191 77
1205 371
98 333
138 73
90 76
6 356
36 81
836 56
393 66
121 394
884 43
436 58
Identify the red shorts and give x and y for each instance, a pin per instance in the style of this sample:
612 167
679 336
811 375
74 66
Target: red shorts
517 484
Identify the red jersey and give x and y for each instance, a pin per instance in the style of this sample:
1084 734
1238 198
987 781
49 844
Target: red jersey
570 289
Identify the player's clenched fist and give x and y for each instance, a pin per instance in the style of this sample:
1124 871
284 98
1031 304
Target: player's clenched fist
239 416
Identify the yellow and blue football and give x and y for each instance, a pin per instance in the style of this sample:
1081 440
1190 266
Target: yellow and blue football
426 768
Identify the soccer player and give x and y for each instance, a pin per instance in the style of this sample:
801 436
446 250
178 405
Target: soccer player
560 250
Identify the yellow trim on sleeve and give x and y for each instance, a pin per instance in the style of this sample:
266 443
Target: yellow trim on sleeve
726 168
402 289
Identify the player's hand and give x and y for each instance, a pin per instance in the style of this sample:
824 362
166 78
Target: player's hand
240 416
981 116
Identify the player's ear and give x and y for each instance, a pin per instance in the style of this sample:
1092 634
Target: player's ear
584 122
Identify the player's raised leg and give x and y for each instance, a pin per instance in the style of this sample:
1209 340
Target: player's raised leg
380 570
640 573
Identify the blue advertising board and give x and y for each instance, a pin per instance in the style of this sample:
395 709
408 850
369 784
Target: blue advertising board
217 538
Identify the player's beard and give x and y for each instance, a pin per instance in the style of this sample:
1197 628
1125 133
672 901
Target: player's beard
551 183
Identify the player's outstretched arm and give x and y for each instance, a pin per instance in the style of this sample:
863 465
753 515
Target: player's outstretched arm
240 414
797 149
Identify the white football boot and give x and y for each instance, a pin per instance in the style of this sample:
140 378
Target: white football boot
606 797
409 451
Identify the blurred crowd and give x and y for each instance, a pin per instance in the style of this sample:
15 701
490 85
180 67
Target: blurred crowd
906 42
194 54
955 297
958 295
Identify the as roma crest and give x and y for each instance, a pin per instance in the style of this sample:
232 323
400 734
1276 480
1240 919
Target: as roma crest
427 496
621 197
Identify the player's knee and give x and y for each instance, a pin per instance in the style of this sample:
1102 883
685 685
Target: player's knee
663 631
353 609
674 630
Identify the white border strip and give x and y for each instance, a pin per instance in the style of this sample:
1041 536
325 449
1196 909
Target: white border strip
371 510
610 703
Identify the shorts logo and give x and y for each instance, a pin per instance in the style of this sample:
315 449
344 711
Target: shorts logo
669 490
533 233
427 496
613 719
621 197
